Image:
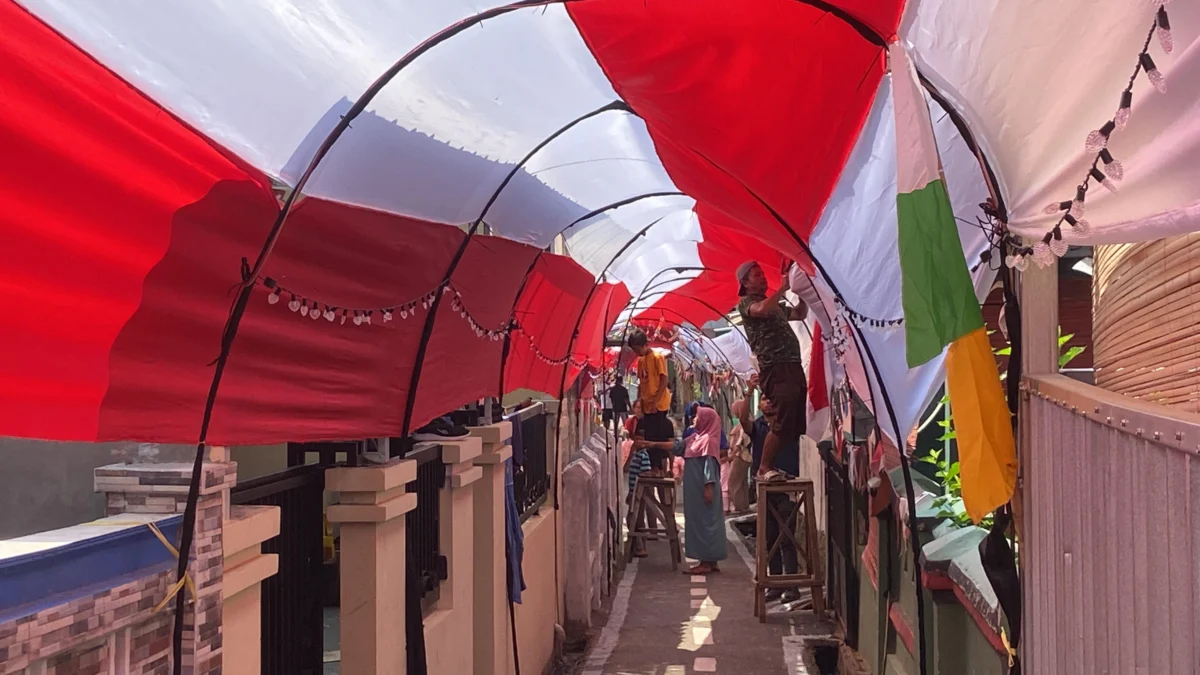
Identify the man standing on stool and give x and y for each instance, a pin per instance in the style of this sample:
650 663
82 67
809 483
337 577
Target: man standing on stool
655 397
780 368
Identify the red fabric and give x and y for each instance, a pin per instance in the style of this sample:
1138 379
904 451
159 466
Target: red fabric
88 207
818 387
767 95
714 292
547 311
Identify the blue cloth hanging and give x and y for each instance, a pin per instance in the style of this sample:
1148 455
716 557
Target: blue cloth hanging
514 537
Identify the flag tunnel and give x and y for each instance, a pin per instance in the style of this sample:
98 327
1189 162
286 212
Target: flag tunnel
322 225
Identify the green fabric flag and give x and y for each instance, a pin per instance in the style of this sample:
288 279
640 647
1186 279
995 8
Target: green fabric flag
939 299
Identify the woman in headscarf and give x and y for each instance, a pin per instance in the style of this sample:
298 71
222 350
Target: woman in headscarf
735 472
705 521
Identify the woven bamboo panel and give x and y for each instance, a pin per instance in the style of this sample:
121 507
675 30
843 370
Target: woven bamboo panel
1146 303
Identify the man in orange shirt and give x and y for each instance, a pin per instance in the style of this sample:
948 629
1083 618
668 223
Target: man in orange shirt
654 395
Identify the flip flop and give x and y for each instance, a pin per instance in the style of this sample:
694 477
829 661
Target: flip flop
773 476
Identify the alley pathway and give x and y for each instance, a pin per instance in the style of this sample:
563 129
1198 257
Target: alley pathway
663 622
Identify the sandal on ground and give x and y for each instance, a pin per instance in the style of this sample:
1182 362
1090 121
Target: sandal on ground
641 554
773 476
700 570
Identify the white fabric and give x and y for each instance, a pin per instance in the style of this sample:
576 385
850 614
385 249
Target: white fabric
734 346
1032 78
270 79
856 243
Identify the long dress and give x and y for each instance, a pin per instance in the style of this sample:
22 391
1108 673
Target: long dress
704 537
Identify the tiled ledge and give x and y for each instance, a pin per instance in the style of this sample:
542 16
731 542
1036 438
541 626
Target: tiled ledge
50 568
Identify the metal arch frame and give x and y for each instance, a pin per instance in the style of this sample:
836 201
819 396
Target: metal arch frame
250 273
910 492
528 272
431 316
633 303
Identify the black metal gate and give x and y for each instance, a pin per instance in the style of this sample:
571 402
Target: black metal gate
842 579
292 600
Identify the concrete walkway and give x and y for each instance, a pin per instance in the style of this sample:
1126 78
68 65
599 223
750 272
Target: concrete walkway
666 623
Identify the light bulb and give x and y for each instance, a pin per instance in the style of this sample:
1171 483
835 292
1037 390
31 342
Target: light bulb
1098 140
330 315
1022 263
1082 228
367 318
1059 246
1164 30
1042 255
358 319
294 305
1056 207
1103 180
1077 208
1123 111
314 314
1113 166
387 315
403 313
304 309
1010 261
273 298
1152 72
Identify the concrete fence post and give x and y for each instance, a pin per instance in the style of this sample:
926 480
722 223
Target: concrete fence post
491 639
371 509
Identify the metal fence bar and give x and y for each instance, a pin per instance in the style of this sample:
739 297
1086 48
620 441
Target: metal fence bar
292 606
531 480
1113 532
423 524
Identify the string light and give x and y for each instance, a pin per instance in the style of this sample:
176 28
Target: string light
315 309
1164 30
865 321
1053 245
542 356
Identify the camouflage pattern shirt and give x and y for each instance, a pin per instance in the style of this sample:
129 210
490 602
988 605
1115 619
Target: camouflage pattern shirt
771 339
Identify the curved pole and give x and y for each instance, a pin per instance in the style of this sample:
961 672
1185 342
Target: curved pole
431 315
587 216
632 306
910 492
720 314
562 387
250 273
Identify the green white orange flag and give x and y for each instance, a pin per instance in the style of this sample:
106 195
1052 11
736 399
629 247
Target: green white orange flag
940 307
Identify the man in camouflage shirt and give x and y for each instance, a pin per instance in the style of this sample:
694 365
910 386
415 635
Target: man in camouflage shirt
780 369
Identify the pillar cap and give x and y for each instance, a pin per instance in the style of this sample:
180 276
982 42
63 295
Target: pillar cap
378 478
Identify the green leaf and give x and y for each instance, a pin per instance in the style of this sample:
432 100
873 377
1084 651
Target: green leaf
1070 355
945 424
948 436
1004 351
953 471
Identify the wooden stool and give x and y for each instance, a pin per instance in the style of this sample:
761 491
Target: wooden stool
645 503
800 497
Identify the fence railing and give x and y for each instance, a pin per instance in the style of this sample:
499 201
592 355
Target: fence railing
531 478
292 607
423 524
1112 532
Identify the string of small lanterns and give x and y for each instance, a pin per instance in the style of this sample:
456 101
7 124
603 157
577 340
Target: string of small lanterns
865 321
1106 169
316 309
545 358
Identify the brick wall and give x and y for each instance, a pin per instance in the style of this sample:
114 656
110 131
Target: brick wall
97 630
